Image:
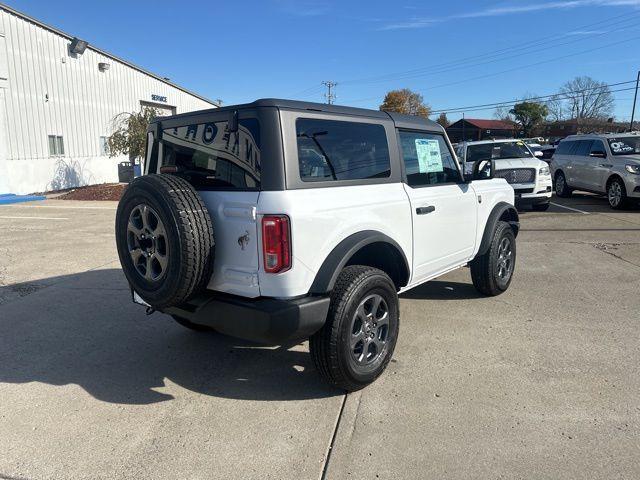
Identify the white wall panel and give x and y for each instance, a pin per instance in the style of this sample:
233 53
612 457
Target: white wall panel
49 92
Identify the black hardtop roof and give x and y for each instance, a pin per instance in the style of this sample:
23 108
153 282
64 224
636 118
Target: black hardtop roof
401 121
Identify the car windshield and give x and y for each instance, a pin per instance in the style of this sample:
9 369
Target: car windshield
497 151
625 145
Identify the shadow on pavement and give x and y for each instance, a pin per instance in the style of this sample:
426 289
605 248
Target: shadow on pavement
441 290
84 330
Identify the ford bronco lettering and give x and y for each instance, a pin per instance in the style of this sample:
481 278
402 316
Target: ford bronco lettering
279 221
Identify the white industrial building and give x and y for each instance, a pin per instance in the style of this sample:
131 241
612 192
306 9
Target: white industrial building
58 98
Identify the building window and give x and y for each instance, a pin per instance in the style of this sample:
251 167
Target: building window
104 146
56 146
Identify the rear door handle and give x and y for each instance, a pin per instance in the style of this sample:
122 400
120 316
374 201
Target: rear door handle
425 210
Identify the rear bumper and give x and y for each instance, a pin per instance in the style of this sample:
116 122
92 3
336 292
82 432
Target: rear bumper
264 320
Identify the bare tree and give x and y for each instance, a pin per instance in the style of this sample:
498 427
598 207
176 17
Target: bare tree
557 109
585 97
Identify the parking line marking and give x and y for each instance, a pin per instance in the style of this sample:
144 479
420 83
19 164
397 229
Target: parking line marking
62 207
569 208
32 218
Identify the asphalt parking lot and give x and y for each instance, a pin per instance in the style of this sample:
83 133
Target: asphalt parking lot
541 382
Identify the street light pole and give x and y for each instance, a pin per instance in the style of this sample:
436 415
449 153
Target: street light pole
635 97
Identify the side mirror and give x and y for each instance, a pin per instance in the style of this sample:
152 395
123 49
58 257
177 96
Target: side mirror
598 154
538 153
483 170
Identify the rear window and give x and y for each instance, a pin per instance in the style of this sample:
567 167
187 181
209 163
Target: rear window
330 150
208 155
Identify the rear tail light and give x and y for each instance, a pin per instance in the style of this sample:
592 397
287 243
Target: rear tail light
276 243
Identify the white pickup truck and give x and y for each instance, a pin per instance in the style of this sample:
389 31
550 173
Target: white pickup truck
520 166
279 221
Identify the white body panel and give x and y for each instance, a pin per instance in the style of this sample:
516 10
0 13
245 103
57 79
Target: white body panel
235 227
323 217
490 193
444 237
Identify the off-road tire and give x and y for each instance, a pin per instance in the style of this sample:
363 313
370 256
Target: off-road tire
330 346
623 199
561 188
484 268
189 233
192 326
541 207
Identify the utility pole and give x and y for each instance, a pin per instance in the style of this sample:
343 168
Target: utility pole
330 96
463 122
635 97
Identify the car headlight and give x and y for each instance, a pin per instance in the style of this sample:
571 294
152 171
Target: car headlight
543 171
633 169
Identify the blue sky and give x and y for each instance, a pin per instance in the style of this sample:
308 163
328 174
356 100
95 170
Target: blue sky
239 51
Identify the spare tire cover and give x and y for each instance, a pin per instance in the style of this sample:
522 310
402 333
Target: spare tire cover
165 239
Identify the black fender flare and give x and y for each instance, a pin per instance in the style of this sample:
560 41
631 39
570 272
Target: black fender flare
339 257
500 210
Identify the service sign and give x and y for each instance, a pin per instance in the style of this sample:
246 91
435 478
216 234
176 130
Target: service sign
158 98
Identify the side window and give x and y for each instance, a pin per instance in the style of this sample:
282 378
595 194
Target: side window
427 159
597 146
208 155
583 148
330 150
564 148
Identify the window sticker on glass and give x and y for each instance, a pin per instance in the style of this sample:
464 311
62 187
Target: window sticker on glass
429 157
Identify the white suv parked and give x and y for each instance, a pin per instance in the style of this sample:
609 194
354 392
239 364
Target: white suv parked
517 164
278 221
605 164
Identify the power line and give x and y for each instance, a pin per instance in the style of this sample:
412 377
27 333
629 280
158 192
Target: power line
309 91
542 62
491 57
541 97
457 63
518 101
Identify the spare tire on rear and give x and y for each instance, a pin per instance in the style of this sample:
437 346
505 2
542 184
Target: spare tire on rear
165 239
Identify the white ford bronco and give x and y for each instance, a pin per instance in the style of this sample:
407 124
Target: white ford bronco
279 221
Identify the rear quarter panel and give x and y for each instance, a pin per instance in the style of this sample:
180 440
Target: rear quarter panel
322 217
